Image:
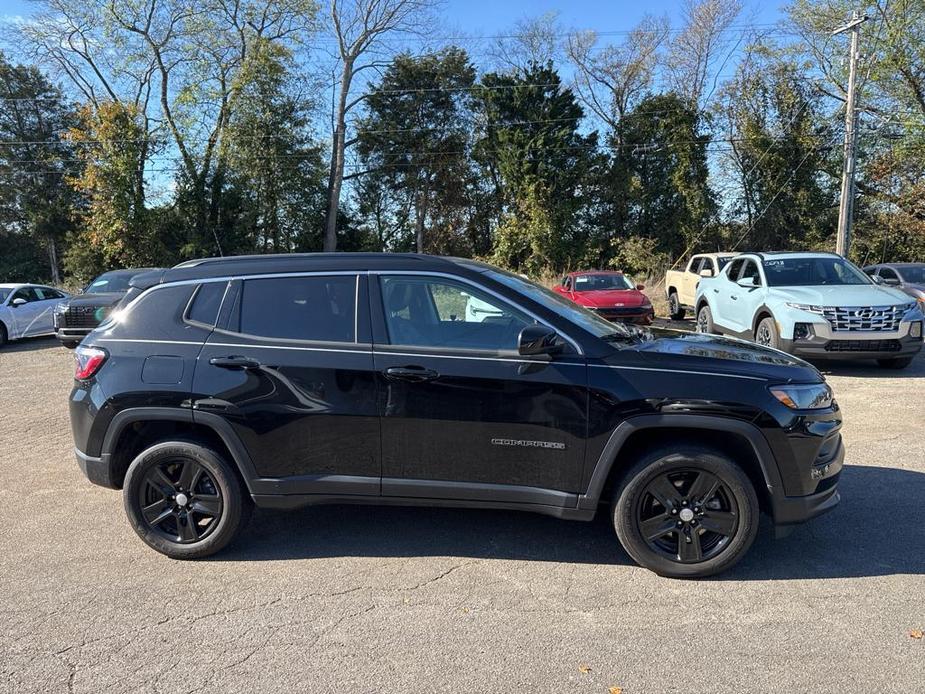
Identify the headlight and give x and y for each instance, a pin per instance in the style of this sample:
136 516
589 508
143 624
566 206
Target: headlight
812 396
807 307
61 308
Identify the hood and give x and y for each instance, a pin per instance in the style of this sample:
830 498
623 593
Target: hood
102 299
841 295
605 298
686 350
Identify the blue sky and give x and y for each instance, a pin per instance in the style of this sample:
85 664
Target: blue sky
485 17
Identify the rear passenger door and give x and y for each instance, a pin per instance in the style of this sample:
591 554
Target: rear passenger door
464 416
290 368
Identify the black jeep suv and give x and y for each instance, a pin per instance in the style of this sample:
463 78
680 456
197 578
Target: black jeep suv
289 380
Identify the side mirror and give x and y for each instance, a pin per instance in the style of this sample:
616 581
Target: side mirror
535 340
747 282
18 301
640 287
706 272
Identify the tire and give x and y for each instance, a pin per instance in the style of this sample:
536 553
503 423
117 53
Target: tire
69 344
216 503
766 333
732 509
675 309
897 363
4 335
705 320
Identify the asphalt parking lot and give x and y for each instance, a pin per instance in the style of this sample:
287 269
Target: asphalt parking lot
366 599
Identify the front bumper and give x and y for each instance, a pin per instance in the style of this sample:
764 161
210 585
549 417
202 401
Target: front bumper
822 479
853 347
72 334
622 315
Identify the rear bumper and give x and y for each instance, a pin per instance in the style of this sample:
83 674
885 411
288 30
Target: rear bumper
95 469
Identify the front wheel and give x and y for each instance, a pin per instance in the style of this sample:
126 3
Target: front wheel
675 309
184 500
705 320
3 335
897 363
766 333
686 513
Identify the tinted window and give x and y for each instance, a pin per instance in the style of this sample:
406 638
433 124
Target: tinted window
432 312
27 293
300 308
914 274
206 302
49 293
888 274
696 263
3 294
735 269
812 271
751 270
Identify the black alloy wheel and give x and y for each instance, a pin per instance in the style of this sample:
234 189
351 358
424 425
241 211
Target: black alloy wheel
184 499
180 501
686 511
687 515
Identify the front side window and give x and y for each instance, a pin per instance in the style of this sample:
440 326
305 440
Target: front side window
3 294
437 312
751 270
319 308
734 270
49 293
888 274
27 293
812 271
708 265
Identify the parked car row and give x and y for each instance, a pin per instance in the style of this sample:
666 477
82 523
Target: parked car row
813 305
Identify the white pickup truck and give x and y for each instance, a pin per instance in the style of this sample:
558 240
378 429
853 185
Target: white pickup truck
681 285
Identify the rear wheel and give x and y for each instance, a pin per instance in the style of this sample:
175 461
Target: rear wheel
675 309
766 333
3 335
705 320
690 512
897 363
184 500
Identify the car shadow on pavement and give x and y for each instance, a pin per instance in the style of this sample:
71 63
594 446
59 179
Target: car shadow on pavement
30 344
869 369
866 535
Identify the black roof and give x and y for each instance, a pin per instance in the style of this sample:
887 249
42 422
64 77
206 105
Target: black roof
301 262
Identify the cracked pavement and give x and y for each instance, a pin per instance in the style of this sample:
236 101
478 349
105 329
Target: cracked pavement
367 599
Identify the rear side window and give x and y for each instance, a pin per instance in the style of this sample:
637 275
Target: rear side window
300 308
206 303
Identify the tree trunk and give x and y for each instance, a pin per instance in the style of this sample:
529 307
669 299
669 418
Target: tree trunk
337 160
53 261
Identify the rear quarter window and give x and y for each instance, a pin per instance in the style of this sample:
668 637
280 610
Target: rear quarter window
206 302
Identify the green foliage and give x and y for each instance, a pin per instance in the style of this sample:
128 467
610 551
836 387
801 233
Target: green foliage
638 256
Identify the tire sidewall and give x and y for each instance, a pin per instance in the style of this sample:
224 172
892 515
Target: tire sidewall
234 506
709 328
674 306
627 496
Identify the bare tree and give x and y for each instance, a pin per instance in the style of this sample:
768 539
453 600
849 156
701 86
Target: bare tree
533 40
360 28
612 80
704 40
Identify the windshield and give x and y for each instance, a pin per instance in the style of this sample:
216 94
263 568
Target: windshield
109 282
560 305
802 272
913 274
594 283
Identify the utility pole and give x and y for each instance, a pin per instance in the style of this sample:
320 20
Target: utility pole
846 206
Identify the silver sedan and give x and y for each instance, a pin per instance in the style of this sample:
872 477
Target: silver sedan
27 310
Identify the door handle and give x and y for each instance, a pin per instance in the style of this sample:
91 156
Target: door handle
234 362
412 374
716 291
733 297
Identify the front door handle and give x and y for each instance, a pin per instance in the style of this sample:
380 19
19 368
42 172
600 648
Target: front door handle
716 291
234 362
734 297
412 374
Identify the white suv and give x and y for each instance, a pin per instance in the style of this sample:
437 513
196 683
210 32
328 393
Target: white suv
814 305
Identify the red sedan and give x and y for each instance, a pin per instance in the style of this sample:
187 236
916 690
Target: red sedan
611 295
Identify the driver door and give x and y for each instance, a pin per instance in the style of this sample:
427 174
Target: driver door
463 415
27 317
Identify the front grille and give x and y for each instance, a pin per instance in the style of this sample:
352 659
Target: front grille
83 316
618 311
864 318
863 346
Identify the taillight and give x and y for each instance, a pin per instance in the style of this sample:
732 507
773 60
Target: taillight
89 360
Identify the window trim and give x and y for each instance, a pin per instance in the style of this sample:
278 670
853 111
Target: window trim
189 307
465 280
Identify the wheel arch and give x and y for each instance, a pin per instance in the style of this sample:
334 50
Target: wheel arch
744 443
762 312
132 430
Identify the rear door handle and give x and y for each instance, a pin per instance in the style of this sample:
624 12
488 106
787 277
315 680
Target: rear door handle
412 374
234 362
